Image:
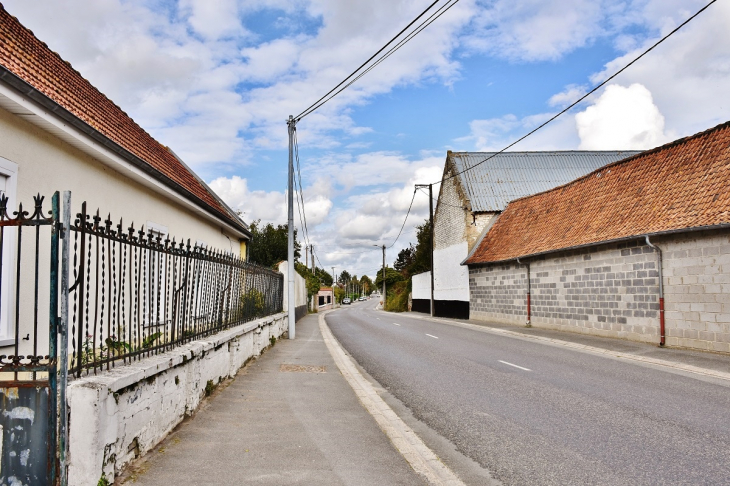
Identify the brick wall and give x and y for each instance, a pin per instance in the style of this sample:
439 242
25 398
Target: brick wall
613 290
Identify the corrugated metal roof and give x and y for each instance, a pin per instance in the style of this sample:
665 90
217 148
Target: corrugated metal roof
511 175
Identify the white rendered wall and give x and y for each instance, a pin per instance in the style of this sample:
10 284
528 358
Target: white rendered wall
300 286
451 281
421 286
118 415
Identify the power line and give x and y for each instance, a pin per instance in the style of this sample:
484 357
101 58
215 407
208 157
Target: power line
443 9
404 221
585 95
301 191
324 99
443 203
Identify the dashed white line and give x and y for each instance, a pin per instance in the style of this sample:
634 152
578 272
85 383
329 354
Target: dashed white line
430 335
510 364
396 324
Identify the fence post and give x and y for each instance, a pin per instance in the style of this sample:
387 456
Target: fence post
63 337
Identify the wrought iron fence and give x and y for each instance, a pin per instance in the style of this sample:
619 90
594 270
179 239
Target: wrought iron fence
137 293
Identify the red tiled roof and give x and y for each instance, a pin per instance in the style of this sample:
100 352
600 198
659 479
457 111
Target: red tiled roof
33 62
679 186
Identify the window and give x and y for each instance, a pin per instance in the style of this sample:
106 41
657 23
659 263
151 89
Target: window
8 185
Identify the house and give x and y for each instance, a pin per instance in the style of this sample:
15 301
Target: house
58 132
638 249
326 299
476 187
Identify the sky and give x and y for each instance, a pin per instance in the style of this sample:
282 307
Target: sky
216 81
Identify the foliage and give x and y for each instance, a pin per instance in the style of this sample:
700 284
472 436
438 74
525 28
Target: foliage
253 303
391 277
405 259
313 282
422 252
344 277
269 244
150 340
339 294
397 300
367 284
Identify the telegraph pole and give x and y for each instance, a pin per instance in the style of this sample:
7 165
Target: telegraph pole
383 277
291 123
430 219
311 248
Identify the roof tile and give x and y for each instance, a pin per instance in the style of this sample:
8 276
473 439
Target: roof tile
678 186
31 60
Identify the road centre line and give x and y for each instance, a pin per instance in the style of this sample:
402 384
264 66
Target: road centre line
510 364
396 324
430 335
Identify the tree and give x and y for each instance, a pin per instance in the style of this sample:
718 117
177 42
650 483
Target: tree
422 252
366 284
270 245
391 276
344 277
405 259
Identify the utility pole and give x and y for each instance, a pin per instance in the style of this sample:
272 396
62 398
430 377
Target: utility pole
311 248
430 219
383 277
291 123
306 253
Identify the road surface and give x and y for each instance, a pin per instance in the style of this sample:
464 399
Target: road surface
530 413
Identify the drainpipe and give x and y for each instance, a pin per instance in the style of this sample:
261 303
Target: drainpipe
529 307
661 292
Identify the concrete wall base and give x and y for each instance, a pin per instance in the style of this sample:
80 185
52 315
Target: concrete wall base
120 414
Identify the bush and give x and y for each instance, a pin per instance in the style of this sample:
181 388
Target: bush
397 300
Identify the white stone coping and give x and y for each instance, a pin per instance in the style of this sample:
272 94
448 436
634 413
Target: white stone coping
127 375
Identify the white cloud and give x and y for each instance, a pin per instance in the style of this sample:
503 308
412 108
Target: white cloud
495 134
621 118
270 207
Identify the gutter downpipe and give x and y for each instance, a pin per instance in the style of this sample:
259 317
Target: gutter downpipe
661 293
529 306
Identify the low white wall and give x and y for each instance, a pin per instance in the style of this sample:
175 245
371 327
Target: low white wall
421 286
120 414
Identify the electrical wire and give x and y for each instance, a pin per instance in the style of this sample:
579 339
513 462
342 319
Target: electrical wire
301 191
443 9
324 99
585 95
404 221
443 203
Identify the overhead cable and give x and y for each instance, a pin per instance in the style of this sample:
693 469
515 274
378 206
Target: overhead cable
585 95
327 96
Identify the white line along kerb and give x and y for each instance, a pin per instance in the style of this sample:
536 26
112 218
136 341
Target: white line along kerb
431 335
419 456
510 364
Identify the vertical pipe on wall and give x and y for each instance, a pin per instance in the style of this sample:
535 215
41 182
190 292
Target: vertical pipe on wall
529 304
661 291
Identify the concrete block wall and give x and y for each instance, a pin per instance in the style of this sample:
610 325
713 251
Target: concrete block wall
609 291
697 290
498 293
613 290
120 414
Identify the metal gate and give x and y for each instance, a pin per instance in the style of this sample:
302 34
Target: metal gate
29 351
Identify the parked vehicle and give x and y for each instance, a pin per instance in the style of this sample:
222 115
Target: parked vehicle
346 301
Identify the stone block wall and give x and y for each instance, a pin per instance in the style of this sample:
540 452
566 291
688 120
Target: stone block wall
613 290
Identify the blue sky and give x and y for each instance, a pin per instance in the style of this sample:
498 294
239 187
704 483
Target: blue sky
216 81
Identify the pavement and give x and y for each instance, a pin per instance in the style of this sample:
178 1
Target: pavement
289 417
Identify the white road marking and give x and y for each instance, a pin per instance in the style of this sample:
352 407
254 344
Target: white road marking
396 324
429 335
510 364
378 318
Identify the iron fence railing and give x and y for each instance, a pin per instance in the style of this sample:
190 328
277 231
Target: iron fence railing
137 293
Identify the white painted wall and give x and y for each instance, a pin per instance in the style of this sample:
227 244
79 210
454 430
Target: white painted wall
421 286
451 281
300 286
117 415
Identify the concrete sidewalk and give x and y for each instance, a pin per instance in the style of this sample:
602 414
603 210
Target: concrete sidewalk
289 417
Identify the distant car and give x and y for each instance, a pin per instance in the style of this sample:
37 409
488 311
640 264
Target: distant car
361 299
346 302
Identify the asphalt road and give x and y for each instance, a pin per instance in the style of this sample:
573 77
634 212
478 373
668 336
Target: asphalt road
536 414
